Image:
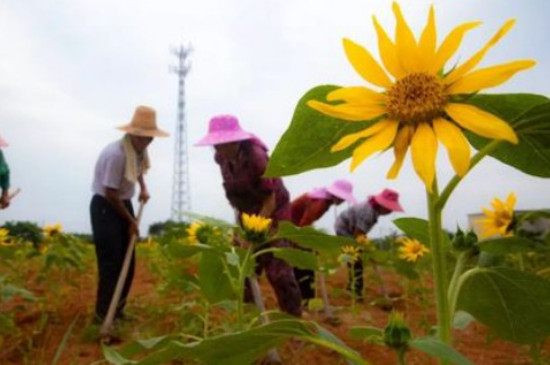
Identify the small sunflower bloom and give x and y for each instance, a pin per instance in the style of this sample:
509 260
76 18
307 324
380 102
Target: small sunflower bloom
350 254
411 249
420 105
192 230
256 227
53 230
4 234
500 220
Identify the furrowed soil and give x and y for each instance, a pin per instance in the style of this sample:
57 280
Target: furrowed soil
43 326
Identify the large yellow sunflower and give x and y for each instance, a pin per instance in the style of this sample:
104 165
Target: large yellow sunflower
499 221
418 106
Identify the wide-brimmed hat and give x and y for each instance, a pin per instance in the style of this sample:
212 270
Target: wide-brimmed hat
318 193
3 142
224 129
389 199
144 123
342 189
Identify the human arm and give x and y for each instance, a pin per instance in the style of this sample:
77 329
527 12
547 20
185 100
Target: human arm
313 211
268 206
4 182
144 193
112 196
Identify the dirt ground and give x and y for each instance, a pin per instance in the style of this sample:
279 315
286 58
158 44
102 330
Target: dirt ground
44 328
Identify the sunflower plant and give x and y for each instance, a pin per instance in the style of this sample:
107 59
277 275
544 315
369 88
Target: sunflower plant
416 99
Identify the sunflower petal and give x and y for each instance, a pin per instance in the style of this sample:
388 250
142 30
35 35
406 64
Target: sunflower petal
366 65
488 77
450 45
400 146
378 142
428 40
357 95
388 52
476 58
407 49
348 111
511 201
350 139
456 144
480 122
424 151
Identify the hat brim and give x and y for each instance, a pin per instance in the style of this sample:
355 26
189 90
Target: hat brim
319 193
391 205
140 132
342 195
214 138
3 142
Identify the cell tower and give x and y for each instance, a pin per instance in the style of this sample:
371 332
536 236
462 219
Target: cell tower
181 199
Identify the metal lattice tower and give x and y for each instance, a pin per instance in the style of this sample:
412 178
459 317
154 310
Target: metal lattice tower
181 199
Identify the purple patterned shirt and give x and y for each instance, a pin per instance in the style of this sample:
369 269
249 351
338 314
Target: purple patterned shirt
245 188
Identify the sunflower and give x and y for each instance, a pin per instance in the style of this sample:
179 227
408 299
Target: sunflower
192 232
350 254
255 223
500 221
420 104
411 249
53 229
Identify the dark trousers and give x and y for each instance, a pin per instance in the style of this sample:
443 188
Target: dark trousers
281 277
355 278
306 281
111 240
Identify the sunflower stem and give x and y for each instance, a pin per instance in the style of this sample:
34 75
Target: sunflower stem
454 287
439 270
446 193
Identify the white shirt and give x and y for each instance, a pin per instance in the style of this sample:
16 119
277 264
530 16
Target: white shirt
109 172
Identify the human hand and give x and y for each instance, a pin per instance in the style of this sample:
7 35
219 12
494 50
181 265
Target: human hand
4 201
144 196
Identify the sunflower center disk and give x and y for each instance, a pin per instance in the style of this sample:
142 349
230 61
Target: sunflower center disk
417 97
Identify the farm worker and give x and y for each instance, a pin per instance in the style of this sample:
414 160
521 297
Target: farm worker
119 167
4 176
357 221
243 158
310 207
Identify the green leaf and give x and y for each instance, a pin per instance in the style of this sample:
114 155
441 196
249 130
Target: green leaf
308 237
439 350
514 304
247 346
306 143
298 258
462 320
415 227
507 245
213 281
113 357
529 115
232 258
182 251
366 333
406 269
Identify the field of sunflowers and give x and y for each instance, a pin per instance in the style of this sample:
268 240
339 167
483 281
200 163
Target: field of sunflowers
431 296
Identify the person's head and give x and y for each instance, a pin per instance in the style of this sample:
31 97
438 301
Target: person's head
340 191
386 202
228 150
143 128
225 134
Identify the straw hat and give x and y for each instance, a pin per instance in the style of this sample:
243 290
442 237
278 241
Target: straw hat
224 129
144 123
3 142
389 199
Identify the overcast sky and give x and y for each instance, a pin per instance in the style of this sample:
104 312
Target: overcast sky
71 71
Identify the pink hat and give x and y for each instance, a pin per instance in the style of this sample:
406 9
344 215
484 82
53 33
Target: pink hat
224 129
342 189
3 142
318 193
389 199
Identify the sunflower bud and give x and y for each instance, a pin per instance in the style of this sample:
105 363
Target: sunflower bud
397 334
464 241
